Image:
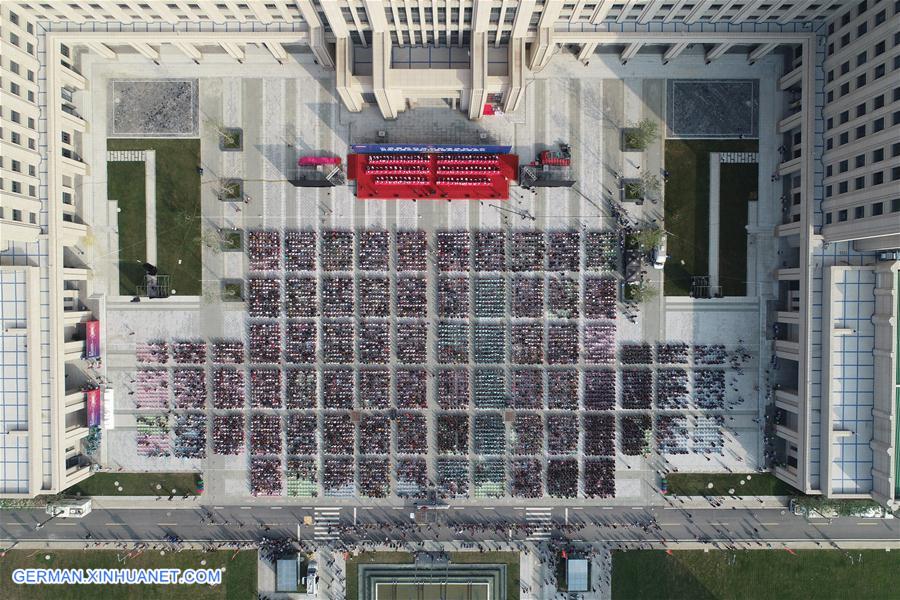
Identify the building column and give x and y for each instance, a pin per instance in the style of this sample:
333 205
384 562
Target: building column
189 50
630 51
343 53
317 33
388 101
587 51
236 51
543 47
478 93
518 72
674 50
147 51
103 50
277 51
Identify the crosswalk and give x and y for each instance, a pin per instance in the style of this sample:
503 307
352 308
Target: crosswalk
540 521
323 521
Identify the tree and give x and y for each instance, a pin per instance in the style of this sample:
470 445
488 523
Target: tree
642 134
641 292
649 237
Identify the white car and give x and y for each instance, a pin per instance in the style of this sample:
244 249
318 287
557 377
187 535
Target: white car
312 570
659 253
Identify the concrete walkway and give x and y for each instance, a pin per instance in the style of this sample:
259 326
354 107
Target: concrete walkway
714 220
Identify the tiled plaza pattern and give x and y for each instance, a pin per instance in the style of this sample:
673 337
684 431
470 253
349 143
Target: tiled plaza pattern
358 374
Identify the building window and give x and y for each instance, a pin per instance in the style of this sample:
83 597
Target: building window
845 67
895 205
843 187
859 212
880 17
860 132
878 155
860 161
13 18
877 177
895 173
14 88
878 102
66 138
859 183
861 29
877 125
877 209
844 117
828 171
879 48
843 166
842 216
16 187
16 214
860 80
845 88
16 166
879 71
895 149
15 138
828 191
860 110
861 58
845 137
828 218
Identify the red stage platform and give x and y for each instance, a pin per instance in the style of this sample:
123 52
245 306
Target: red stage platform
433 176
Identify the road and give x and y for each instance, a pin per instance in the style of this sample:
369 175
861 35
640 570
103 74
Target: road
588 524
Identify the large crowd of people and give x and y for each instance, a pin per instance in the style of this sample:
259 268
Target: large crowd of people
335 324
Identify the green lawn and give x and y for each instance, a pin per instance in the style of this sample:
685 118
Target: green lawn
687 213
755 574
494 558
177 208
136 484
125 184
738 184
238 579
759 484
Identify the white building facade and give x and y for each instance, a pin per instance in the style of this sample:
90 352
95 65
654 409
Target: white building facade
836 191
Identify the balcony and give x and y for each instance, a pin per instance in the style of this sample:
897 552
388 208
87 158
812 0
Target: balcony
787 396
791 78
787 349
788 273
70 77
74 350
72 118
788 228
791 121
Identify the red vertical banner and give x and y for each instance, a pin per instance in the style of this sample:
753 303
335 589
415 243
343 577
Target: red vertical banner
93 408
92 339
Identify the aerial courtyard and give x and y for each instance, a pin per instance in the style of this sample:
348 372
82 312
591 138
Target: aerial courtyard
315 345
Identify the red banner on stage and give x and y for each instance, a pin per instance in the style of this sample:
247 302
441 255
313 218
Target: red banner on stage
92 339
93 408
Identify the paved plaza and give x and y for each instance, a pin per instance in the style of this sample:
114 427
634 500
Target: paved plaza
655 362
